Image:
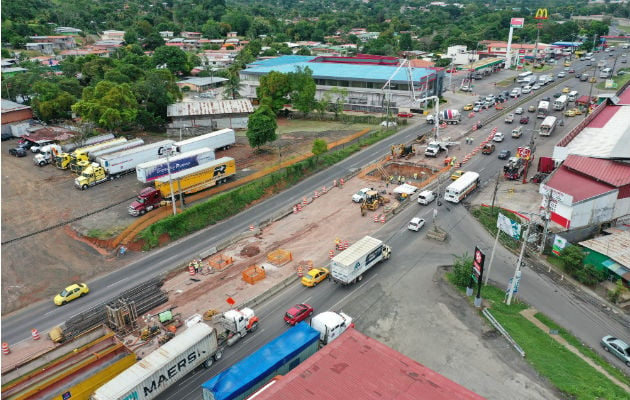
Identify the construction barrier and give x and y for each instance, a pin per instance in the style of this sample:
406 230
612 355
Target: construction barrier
375 217
316 194
35 334
191 269
5 348
331 254
295 210
299 207
300 272
304 201
251 228
346 245
382 218
341 182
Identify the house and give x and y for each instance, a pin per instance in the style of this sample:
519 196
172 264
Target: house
64 30
610 252
198 116
200 85
61 42
113 35
15 117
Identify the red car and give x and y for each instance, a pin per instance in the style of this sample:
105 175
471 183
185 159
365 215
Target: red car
524 120
405 115
297 313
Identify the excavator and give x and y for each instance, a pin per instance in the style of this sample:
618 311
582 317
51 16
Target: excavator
372 201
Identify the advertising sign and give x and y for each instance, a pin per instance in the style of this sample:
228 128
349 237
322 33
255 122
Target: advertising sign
559 243
508 226
517 22
478 260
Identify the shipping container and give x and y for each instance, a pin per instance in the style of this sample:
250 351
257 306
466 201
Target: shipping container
279 356
221 139
197 178
152 170
149 377
126 161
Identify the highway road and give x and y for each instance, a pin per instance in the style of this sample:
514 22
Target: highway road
583 319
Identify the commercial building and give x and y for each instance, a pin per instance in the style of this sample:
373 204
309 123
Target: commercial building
611 253
364 77
197 117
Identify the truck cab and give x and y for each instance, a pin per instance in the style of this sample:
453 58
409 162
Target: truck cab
433 148
92 175
147 200
46 154
330 325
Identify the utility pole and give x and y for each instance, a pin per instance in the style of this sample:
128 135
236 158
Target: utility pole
547 217
494 194
517 271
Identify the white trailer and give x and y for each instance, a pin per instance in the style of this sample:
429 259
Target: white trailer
350 265
152 170
221 139
330 325
130 144
149 377
125 161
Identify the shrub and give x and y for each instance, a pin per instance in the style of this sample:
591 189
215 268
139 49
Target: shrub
462 270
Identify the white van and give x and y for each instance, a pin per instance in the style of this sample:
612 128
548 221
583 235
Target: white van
516 92
425 197
573 95
517 132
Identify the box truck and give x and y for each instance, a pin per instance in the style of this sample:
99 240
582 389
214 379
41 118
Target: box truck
350 265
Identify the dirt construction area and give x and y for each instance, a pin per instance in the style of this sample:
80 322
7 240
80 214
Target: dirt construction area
45 219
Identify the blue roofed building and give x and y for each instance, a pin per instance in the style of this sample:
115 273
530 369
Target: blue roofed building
363 76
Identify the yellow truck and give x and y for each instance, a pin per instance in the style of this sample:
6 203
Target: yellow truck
197 178
70 160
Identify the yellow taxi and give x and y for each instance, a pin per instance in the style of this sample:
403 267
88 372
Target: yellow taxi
468 107
567 64
314 276
70 293
457 174
566 90
577 111
569 113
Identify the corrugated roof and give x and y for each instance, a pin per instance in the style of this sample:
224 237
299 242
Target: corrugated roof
616 245
355 366
210 107
203 80
577 185
612 172
8 106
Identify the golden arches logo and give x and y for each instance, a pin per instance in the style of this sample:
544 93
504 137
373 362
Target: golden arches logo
541 13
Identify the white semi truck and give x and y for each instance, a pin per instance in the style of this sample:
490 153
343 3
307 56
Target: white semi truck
330 325
349 266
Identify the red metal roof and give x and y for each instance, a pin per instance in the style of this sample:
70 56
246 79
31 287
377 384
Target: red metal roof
355 366
611 172
624 97
577 185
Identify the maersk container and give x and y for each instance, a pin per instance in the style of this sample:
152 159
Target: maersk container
126 161
277 357
152 170
221 139
130 144
349 265
149 377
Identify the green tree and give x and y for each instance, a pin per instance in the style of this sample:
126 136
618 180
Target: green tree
109 105
51 102
319 147
261 126
302 89
462 270
276 87
303 51
572 258
173 58
405 43
153 41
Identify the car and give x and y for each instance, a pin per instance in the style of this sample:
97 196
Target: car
556 95
617 347
577 111
623 61
297 313
569 113
566 90
468 107
527 89
518 111
426 196
18 151
536 87
488 148
524 120
531 108
415 224
465 88
315 276
389 124
567 64
509 118
70 293
405 115
490 97
566 69
451 70
477 108
360 195
504 154
455 175
545 98
572 71
561 74
578 75
498 137
551 78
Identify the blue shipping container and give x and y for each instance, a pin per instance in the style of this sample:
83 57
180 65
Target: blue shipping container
277 357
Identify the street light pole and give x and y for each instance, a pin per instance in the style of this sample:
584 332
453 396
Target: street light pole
517 271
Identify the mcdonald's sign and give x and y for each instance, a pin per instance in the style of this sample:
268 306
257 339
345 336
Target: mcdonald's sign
541 13
517 22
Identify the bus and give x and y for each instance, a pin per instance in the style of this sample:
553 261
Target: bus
560 103
605 73
547 126
462 187
521 77
543 109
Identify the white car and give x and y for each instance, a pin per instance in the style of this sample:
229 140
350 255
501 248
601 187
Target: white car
527 89
518 111
466 88
561 74
389 124
415 224
360 195
498 137
536 87
425 197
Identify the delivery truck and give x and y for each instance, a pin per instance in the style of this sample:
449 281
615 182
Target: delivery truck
147 378
217 140
152 170
197 178
111 166
349 266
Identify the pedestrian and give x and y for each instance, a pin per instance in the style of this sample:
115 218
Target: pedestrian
196 266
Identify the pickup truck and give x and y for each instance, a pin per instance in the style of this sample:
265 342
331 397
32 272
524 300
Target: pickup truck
509 118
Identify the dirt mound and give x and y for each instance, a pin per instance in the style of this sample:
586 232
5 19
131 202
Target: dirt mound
250 251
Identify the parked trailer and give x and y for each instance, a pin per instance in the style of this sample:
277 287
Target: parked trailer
69 160
152 170
130 144
277 357
150 376
197 178
221 139
350 265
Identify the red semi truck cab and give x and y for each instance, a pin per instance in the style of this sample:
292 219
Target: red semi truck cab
148 199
